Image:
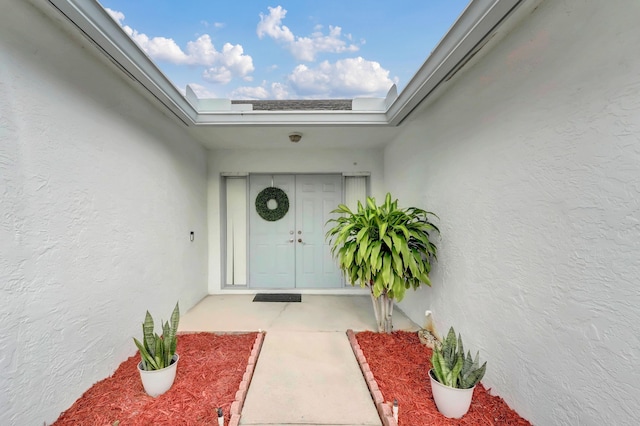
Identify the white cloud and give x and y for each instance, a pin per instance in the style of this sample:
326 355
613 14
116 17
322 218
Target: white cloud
271 25
223 65
279 91
345 78
159 48
202 92
221 75
302 48
216 25
247 92
229 63
233 57
116 15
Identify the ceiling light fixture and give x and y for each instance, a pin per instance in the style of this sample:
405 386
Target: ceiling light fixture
295 137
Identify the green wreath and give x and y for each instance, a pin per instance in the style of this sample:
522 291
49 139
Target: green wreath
282 204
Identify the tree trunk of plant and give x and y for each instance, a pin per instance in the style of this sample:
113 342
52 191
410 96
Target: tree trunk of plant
383 310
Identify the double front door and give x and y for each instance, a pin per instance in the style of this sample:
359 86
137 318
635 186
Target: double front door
292 252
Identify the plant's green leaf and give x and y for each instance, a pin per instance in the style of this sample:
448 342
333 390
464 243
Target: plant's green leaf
387 201
362 233
437 362
375 260
175 321
425 279
388 242
457 368
348 260
468 366
449 348
147 334
432 250
364 244
383 230
378 286
166 343
371 203
397 263
411 262
476 361
399 289
386 270
446 374
419 236
366 261
418 259
148 363
404 230
159 355
404 250
396 240
342 209
475 376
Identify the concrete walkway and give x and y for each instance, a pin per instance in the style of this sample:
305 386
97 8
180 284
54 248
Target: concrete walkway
306 373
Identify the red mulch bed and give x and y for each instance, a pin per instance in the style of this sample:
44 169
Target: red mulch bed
400 365
209 372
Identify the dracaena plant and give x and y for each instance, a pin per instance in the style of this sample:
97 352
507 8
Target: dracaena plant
452 368
385 248
156 351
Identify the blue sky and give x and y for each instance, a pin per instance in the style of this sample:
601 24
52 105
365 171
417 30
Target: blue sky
297 49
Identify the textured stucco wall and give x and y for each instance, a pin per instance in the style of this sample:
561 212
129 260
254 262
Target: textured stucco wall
98 194
293 160
532 161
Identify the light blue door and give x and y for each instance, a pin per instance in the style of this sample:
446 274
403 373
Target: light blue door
272 244
292 252
316 197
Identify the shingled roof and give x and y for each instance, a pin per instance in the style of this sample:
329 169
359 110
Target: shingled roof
298 105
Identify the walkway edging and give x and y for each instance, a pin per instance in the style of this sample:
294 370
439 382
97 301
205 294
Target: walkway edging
241 394
384 409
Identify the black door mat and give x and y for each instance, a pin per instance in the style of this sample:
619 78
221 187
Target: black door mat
277 297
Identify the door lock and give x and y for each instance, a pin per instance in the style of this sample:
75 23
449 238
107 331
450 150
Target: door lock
299 240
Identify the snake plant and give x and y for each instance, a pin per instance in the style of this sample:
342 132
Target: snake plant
385 248
156 351
452 368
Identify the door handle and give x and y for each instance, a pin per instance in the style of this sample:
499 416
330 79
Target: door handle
291 240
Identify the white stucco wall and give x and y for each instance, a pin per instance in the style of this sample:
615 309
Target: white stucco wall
532 162
297 159
99 192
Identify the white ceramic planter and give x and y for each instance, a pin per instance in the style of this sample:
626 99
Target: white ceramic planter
157 382
451 402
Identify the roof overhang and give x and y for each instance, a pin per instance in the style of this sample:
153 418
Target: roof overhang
473 29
